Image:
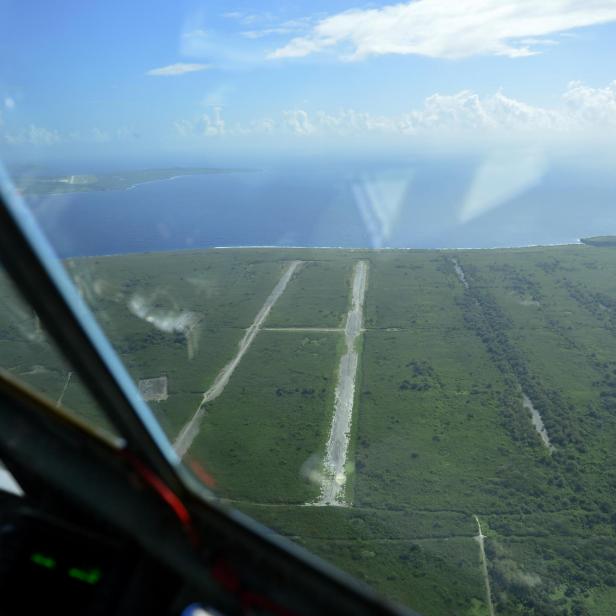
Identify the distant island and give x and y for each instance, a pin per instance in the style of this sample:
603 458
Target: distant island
51 185
600 241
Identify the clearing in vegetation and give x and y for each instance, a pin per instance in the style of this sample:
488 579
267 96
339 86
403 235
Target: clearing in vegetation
154 390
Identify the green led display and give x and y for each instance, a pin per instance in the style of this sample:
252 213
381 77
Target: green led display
89 577
43 561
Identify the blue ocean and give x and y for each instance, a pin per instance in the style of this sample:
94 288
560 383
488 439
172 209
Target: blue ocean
415 204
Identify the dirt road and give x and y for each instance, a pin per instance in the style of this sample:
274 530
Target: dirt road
484 567
302 329
332 490
190 430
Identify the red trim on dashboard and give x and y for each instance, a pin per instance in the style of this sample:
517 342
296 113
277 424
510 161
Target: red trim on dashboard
168 495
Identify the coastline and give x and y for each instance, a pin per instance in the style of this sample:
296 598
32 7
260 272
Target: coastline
295 247
88 188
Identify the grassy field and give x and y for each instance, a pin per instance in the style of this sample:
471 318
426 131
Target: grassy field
439 431
316 297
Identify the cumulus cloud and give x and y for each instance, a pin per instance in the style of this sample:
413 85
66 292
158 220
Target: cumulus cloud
34 135
445 29
592 106
214 125
176 69
299 122
464 111
584 111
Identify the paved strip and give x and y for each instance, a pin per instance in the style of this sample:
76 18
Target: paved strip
190 430
484 567
334 476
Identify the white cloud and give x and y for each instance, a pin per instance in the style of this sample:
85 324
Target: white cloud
38 135
176 69
249 18
446 29
291 26
214 125
265 125
583 109
34 135
299 122
467 111
584 112
592 106
9 102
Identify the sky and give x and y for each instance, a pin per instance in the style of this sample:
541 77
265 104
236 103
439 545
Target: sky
117 78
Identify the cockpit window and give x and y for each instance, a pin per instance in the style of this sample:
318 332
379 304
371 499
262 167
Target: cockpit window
359 259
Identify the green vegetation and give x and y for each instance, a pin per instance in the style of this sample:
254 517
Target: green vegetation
439 430
258 436
49 185
600 240
317 296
